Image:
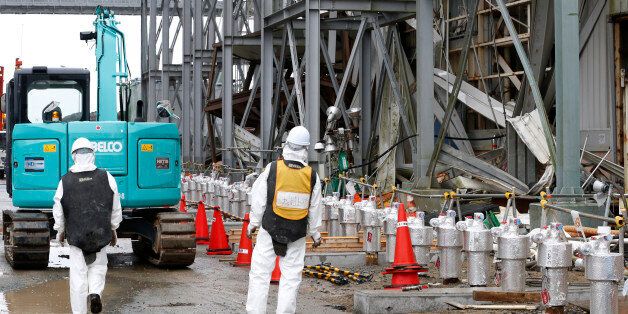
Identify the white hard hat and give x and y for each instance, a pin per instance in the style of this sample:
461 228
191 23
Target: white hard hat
81 142
299 135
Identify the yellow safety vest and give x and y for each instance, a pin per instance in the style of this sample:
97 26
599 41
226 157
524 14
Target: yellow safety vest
293 189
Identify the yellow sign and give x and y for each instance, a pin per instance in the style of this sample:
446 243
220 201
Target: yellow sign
147 147
50 148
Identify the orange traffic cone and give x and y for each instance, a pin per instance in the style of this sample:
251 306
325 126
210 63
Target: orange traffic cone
404 255
245 250
276 275
356 198
182 204
218 242
404 269
202 229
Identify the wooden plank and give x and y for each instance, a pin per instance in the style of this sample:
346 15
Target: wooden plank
504 296
506 67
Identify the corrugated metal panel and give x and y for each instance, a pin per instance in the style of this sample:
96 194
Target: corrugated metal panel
596 85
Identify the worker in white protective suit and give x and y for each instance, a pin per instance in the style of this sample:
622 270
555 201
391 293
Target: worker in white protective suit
286 207
87 212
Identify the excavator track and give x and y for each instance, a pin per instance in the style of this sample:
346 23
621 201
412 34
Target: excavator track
26 239
175 241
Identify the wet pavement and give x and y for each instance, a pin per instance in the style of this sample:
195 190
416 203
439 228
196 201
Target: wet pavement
134 286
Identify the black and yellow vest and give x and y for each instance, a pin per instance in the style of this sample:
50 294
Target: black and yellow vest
290 186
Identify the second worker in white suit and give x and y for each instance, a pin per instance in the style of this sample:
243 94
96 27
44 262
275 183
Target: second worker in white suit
286 202
87 212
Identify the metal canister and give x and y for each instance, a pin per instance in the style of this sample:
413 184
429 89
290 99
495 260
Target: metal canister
390 230
422 237
211 193
193 193
372 227
334 216
204 189
604 270
554 257
512 250
477 243
232 195
185 189
449 242
326 202
242 200
348 219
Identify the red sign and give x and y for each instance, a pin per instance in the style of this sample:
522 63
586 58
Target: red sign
545 296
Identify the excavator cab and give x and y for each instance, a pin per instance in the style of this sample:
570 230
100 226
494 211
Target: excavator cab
30 93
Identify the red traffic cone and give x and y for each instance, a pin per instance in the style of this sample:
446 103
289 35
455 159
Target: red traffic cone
404 269
218 242
182 207
202 229
276 275
245 250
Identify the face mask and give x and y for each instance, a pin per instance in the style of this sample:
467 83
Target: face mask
84 159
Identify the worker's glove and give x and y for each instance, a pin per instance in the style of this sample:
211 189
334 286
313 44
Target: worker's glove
317 240
114 238
250 231
61 237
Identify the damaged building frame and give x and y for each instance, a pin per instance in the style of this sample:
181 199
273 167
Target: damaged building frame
486 73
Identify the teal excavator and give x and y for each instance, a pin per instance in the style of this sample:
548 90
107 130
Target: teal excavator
47 109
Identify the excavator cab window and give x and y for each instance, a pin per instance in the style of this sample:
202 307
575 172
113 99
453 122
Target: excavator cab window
43 97
35 89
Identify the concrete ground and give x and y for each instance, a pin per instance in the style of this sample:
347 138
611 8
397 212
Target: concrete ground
133 286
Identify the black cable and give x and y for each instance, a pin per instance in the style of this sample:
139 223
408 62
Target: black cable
475 138
382 154
415 135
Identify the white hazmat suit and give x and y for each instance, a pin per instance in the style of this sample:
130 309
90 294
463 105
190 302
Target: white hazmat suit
85 279
263 260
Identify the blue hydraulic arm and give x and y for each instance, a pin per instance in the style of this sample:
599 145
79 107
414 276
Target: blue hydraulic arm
111 62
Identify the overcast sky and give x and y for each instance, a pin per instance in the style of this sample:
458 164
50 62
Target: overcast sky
53 41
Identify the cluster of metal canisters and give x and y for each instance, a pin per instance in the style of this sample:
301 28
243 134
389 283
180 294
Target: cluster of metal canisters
340 216
232 198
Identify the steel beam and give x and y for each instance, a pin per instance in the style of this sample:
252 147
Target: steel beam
266 80
152 63
165 49
144 51
425 87
296 73
330 65
567 98
365 96
186 78
312 77
197 81
289 13
227 85
536 93
347 75
379 41
369 5
63 7
249 103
